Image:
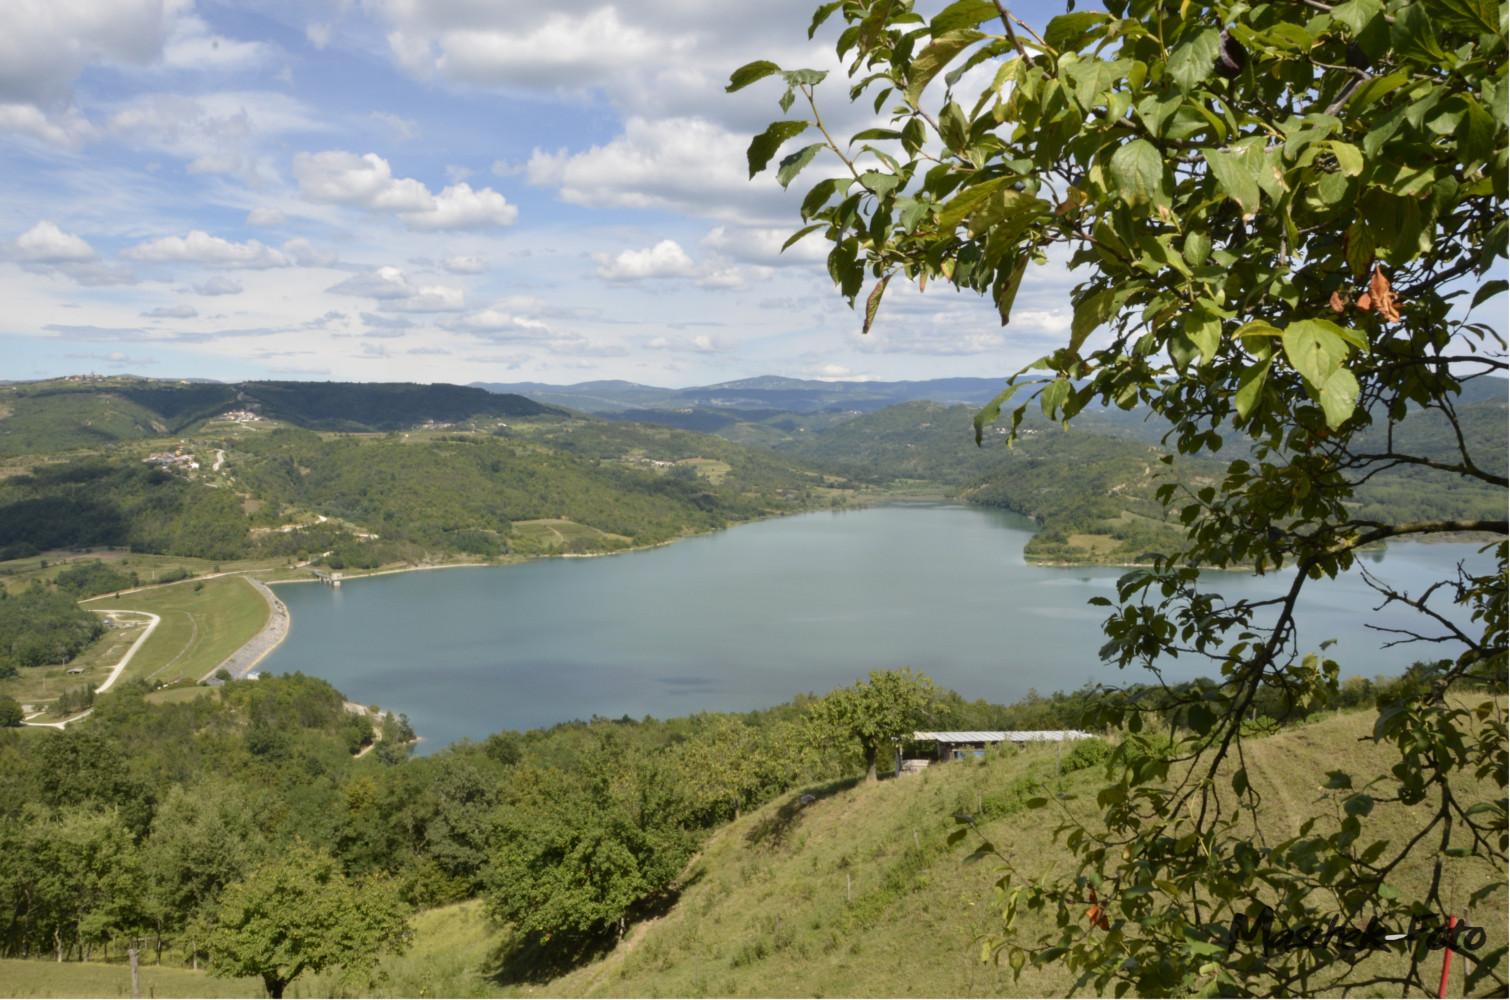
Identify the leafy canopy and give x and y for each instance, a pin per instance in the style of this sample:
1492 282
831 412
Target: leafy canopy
877 712
1282 215
297 913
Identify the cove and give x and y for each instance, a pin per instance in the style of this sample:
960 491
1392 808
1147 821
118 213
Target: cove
749 617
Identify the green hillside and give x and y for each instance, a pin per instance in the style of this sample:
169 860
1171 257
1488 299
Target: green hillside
831 888
42 418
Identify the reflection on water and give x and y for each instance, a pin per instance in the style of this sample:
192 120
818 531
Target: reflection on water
749 617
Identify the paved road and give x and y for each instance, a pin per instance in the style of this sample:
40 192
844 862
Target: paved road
119 668
245 659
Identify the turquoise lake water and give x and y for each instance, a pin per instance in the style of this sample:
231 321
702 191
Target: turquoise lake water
748 617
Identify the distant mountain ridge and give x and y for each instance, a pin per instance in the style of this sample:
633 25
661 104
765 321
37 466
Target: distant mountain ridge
795 395
763 392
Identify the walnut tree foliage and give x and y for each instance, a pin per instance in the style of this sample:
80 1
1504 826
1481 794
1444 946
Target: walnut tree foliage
1281 215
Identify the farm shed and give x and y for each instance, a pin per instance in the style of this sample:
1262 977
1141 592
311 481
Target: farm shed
956 745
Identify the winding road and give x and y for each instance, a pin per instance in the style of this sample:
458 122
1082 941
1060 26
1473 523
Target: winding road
119 668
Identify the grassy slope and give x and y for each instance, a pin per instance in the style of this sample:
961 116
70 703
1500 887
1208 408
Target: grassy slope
857 894
199 628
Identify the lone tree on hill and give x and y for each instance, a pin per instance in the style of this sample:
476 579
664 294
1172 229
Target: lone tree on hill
877 713
1284 215
299 913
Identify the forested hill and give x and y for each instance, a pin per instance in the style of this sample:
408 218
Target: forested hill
237 491
38 418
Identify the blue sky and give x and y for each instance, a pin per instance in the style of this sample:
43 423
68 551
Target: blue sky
430 190
435 190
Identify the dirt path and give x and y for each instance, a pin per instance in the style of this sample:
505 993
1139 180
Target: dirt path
242 662
115 671
120 667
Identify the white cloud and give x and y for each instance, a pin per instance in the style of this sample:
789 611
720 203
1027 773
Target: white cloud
192 45
306 255
460 207
456 173
760 245
464 265
702 343
199 247
67 129
215 163
342 178
45 45
261 216
45 243
403 128
664 260
184 311
495 324
391 287
219 285
338 177
685 165
318 35
569 52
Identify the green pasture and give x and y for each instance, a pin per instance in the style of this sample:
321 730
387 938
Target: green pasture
21 977
203 622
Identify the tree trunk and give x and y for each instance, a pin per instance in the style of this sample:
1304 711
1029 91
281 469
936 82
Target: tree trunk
870 765
274 986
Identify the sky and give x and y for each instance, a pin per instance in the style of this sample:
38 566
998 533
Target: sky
435 191
440 191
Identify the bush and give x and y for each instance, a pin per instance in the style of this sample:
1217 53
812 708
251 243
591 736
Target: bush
10 711
1260 726
1087 753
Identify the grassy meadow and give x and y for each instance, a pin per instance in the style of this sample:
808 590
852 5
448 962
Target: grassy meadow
203 622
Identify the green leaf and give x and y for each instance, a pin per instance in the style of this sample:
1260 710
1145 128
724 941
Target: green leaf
1205 331
961 14
1008 292
1195 59
1136 171
1358 805
1471 16
1487 291
965 202
1067 31
1339 397
1315 349
1387 891
1091 312
821 15
792 165
1250 388
934 57
1054 396
805 230
1413 36
991 411
1006 212
1240 781
1236 177
749 73
873 301
1349 158
764 145
1197 248
1357 13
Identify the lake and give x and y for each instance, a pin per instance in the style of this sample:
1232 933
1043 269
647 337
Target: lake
748 617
